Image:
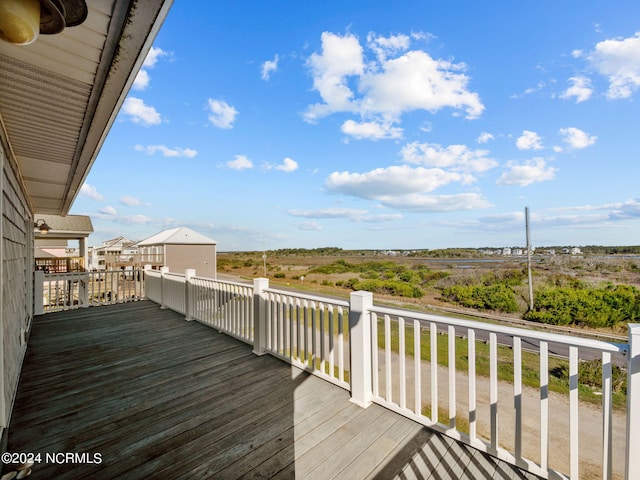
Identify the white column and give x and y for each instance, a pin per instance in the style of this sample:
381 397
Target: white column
360 305
633 397
163 270
82 242
188 293
260 315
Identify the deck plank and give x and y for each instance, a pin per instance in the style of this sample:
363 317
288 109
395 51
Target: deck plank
160 397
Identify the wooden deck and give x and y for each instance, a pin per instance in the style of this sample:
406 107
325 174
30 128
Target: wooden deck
149 395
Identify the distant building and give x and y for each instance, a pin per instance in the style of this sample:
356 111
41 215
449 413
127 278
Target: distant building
113 254
179 249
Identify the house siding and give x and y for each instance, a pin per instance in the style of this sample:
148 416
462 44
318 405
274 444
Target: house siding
17 306
202 258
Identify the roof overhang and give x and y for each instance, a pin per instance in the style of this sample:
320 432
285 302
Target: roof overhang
60 95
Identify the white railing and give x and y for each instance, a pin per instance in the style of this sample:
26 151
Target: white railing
408 378
309 332
225 306
64 291
411 363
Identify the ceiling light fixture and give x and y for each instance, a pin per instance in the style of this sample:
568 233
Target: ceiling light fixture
22 20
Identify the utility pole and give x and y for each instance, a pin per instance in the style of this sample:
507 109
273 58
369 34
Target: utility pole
526 219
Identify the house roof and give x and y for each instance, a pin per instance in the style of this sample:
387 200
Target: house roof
177 236
60 95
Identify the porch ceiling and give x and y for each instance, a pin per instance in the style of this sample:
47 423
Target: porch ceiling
60 95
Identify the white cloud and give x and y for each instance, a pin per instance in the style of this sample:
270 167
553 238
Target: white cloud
418 202
269 67
370 130
90 191
385 46
310 226
390 181
108 210
576 139
240 162
532 171
455 157
328 213
484 137
385 88
619 61
142 78
130 201
222 115
288 165
140 113
347 213
581 89
166 151
529 141
153 56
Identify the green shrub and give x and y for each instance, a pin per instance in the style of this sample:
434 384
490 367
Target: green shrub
492 297
592 307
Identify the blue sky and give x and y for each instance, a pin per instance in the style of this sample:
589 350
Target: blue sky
378 125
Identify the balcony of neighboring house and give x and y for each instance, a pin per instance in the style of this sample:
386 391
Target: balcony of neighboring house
200 378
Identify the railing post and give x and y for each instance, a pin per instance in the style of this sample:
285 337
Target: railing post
360 304
38 292
188 293
163 270
83 290
144 281
260 315
633 397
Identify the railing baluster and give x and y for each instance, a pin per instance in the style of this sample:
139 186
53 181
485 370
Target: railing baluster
375 383
544 406
451 331
402 358
517 394
417 358
573 411
433 333
387 358
607 413
493 388
473 414
340 344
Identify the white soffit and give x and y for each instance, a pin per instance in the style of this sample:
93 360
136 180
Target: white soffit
60 95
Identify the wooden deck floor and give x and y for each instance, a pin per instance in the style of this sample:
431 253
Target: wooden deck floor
149 395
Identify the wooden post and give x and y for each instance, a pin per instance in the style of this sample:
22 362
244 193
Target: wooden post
189 294
633 397
360 304
260 315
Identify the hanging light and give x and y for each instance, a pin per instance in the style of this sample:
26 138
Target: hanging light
42 227
22 20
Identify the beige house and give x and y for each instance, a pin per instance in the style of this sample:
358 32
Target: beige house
180 249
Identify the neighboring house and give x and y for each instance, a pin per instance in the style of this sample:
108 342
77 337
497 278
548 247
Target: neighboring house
52 252
58 98
113 254
179 249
